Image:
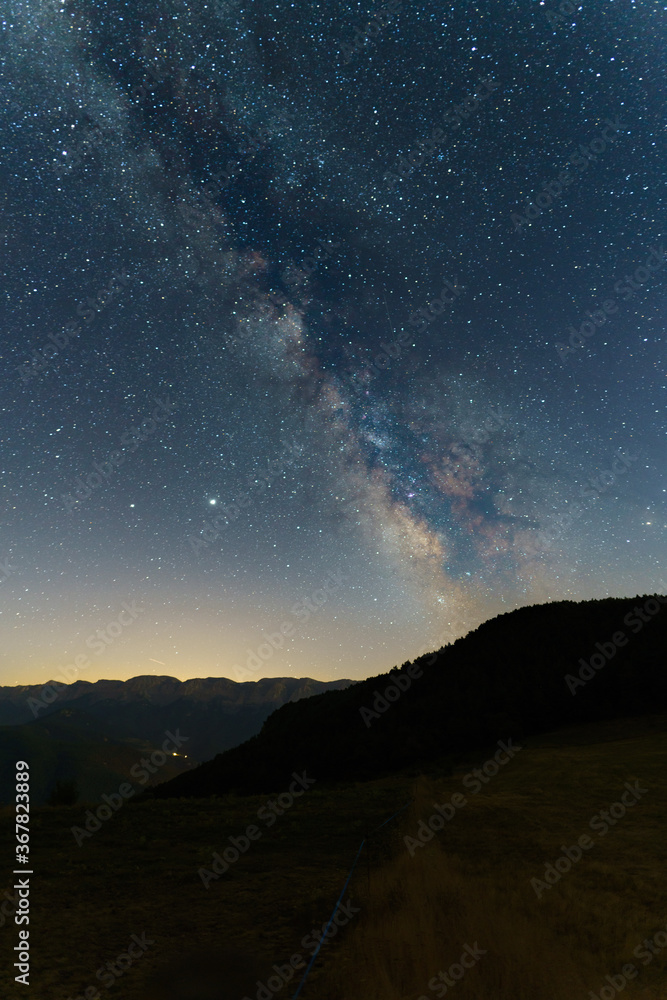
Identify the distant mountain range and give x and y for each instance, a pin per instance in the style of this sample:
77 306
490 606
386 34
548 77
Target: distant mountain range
93 733
532 670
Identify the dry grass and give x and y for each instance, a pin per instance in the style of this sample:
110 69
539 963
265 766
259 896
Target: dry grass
470 883
424 913
426 908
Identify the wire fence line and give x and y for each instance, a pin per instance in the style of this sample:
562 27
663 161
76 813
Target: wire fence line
361 845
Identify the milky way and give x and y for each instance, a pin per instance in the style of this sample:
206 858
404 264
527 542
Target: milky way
386 284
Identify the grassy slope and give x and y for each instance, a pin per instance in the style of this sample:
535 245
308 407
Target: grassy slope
472 881
139 873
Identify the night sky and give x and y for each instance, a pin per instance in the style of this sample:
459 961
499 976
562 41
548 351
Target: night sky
269 362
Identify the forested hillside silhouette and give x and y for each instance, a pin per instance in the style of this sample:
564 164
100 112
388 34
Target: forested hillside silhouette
506 679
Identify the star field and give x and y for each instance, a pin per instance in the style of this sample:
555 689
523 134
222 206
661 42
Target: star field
304 291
